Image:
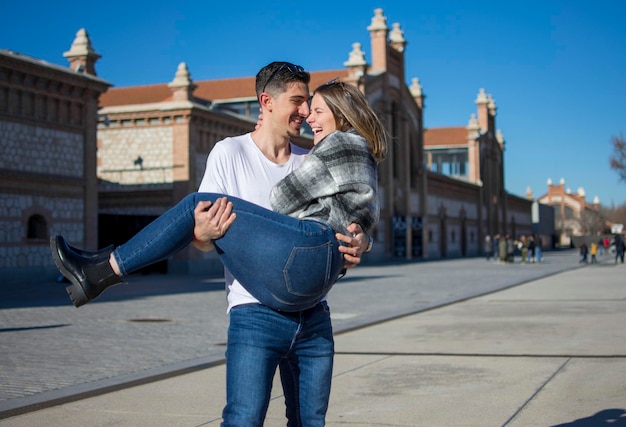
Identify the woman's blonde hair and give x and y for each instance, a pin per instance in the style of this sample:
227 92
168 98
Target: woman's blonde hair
351 110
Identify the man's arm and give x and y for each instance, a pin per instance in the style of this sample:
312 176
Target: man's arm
211 222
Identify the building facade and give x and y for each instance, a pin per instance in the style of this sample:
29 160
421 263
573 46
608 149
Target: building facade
573 215
153 141
48 183
475 154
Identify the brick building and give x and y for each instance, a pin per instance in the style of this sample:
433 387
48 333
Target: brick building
48 181
475 154
425 214
573 215
153 142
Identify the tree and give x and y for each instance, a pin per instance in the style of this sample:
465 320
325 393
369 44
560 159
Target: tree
615 214
591 222
618 159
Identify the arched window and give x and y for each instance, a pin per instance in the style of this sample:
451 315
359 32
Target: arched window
37 227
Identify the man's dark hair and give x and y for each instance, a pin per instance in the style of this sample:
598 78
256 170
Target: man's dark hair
277 75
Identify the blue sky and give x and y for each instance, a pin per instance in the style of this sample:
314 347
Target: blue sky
556 69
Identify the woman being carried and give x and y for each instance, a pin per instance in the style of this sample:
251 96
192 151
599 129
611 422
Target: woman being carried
293 259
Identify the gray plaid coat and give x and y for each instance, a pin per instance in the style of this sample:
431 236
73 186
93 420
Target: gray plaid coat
337 184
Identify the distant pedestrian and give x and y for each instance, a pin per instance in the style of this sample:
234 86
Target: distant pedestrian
601 246
502 249
531 248
523 247
538 248
584 250
618 241
594 251
488 247
496 243
510 249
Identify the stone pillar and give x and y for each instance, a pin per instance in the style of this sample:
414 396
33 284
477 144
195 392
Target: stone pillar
482 103
378 36
81 56
357 66
182 86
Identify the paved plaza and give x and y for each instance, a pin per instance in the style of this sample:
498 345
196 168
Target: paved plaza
464 342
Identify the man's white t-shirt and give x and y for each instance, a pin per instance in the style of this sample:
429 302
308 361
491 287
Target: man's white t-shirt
236 167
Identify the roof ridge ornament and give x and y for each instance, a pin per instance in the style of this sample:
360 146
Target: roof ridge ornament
379 21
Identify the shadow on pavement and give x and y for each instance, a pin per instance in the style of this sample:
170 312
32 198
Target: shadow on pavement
53 293
607 417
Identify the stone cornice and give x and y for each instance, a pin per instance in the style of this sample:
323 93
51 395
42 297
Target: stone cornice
156 106
14 59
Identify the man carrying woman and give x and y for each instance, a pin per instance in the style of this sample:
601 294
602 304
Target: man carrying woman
273 300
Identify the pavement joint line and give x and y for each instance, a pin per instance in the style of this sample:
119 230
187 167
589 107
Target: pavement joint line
527 402
500 355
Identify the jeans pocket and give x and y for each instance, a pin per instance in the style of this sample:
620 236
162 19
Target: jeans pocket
307 271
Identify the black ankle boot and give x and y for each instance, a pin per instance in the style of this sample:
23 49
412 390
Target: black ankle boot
89 254
92 254
90 275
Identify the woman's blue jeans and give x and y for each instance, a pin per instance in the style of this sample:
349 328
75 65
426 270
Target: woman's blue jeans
286 263
260 340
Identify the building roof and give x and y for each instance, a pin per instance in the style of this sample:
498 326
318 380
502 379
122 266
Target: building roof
16 56
448 136
213 90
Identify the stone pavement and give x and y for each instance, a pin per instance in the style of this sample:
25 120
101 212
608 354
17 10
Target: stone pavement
464 346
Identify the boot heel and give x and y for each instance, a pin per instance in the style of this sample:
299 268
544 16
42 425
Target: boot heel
77 295
54 248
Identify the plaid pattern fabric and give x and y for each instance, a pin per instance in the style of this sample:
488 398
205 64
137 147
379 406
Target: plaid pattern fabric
337 184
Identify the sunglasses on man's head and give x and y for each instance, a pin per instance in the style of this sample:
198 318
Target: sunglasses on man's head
295 69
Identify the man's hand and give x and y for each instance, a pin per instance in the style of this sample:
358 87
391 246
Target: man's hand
357 243
211 222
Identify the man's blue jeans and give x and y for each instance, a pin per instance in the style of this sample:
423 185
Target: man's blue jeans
286 263
259 340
